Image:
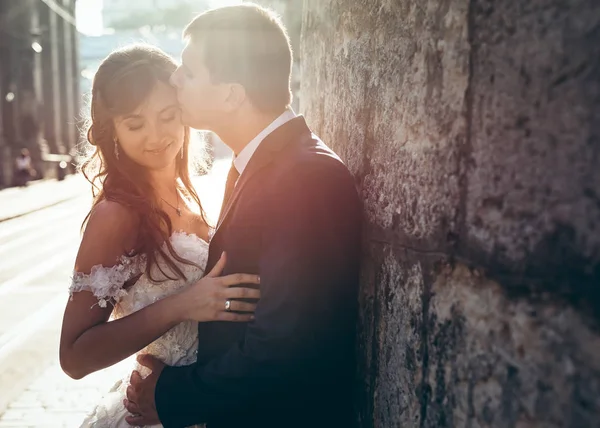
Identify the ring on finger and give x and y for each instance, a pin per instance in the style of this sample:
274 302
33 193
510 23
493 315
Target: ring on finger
227 305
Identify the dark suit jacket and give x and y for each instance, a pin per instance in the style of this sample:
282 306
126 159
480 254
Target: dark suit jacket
294 219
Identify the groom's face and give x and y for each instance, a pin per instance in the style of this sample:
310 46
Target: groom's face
203 103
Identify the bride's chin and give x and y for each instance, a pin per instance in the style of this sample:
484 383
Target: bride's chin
157 164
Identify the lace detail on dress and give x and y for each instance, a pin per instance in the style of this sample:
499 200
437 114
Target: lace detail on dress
176 347
106 283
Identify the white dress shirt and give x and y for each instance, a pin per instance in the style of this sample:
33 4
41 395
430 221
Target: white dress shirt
241 160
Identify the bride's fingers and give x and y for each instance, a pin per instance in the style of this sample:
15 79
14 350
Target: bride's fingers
242 306
239 278
135 421
132 408
241 293
218 268
130 393
231 316
135 378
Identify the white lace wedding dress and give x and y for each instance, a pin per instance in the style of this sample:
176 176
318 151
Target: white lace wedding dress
177 347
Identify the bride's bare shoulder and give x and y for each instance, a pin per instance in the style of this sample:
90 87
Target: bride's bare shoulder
112 212
112 217
110 232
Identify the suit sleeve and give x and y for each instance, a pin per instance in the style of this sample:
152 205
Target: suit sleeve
310 240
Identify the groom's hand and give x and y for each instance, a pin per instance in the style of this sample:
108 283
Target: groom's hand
140 394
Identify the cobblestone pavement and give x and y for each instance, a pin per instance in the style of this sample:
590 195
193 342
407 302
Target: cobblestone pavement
36 258
55 400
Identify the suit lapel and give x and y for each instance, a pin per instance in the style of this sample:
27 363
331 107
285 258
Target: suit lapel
266 153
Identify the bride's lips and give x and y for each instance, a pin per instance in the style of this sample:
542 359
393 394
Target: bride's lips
161 150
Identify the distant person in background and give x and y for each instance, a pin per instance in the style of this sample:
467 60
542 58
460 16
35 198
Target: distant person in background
23 168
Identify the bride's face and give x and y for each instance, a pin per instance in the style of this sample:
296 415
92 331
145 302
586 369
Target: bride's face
204 104
152 135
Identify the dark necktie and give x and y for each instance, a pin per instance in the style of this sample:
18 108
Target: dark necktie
232 178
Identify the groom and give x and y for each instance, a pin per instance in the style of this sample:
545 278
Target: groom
292 215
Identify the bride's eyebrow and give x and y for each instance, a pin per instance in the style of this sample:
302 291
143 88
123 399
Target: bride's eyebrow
132 116
139 116
169 107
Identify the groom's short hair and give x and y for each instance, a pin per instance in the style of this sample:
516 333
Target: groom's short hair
246 44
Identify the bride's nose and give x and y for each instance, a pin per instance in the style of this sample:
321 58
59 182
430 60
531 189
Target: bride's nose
157 134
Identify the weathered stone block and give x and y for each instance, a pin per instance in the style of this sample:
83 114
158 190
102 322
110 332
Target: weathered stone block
391 332
499 362
532 202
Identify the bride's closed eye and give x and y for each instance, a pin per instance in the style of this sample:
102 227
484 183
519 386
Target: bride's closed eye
135 126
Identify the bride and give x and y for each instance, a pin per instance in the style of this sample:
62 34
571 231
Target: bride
139 284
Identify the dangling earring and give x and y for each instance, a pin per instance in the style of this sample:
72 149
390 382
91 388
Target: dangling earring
116 148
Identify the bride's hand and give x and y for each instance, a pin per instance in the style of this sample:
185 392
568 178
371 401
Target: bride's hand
212 298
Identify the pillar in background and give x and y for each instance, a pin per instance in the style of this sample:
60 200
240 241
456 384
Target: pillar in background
13 41
23 68
75 86
5 168
29 81
67 113
51 78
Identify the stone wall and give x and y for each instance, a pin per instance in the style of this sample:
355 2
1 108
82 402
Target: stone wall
473 129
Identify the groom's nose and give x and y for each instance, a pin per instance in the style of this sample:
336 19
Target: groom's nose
174 79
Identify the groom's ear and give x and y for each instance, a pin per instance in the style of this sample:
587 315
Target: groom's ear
236 96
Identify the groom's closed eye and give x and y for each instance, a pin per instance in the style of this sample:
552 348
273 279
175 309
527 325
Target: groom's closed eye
168 119
170 114
187 71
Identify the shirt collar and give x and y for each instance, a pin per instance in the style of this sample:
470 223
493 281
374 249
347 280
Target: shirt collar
241 160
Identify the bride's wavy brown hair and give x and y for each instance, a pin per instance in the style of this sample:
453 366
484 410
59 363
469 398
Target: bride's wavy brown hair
123 81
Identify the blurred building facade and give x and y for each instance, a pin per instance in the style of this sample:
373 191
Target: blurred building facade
39 89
